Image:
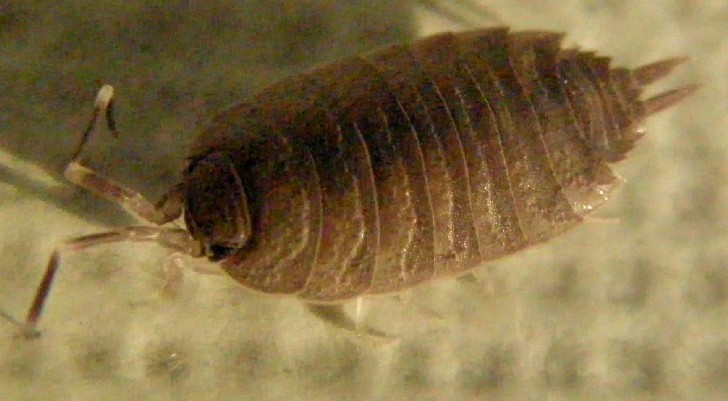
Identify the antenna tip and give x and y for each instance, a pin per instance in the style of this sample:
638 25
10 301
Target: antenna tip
104 96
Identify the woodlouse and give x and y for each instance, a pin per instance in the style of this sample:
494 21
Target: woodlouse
380 172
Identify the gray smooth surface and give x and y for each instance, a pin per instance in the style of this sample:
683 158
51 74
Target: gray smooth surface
634 308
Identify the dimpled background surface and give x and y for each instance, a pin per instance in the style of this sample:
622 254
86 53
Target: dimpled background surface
635 308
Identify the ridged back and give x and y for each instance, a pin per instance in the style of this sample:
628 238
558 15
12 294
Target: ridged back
421 161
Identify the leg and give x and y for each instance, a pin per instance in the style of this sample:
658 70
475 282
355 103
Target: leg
334 315
173 272
172 238
468 13
467 278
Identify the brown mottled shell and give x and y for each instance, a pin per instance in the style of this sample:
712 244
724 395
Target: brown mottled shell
420 161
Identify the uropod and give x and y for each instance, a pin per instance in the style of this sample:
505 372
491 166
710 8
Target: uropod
387 170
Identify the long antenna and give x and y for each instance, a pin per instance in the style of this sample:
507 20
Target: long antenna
104 103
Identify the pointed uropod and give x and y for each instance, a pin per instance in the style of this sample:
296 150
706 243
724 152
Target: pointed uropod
650 73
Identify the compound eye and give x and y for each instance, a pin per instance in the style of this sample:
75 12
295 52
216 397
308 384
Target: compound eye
219 252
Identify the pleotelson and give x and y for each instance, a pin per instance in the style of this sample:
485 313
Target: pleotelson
420 161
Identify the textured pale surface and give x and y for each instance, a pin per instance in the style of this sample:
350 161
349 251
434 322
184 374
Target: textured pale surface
633 308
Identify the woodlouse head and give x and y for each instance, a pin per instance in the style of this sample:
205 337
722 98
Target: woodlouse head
216 207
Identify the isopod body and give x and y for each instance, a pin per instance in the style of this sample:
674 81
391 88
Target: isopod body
383 171
414 162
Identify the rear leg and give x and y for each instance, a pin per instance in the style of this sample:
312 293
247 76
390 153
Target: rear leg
467 13
334 314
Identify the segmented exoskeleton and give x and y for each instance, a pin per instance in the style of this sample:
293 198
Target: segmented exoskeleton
413 162
393 168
